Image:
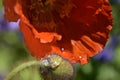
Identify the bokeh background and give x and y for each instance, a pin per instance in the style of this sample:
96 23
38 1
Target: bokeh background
104 66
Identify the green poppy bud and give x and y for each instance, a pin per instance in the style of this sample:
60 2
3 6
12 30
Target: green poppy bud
54 67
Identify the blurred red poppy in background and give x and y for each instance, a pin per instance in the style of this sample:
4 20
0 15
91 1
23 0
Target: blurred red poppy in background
74 29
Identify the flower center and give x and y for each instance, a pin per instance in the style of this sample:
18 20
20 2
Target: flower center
43 1
45 15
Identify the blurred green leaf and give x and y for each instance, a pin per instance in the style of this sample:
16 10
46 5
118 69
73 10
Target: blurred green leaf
107 73
30 73
87 69
5 57
1 4
116 18
117 57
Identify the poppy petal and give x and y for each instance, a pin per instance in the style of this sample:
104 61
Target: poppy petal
74 29
9 10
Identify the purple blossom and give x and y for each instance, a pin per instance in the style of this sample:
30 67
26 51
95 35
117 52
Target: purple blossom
105 55
109 51
1 78
7 26
115 1
2 75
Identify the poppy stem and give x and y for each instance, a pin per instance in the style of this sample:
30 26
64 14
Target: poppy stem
21 68
51 67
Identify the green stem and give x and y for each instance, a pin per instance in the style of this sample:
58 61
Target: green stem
22 67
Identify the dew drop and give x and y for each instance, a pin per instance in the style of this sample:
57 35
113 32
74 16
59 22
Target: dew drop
62 49
80 57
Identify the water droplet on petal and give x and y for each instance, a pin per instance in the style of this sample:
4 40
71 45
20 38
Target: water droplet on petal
62 49
80 57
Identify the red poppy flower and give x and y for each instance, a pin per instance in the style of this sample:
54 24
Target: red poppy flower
74 29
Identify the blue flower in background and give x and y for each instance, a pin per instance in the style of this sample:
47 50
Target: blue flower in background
2 75
1 78
7 26
115 1
108 53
